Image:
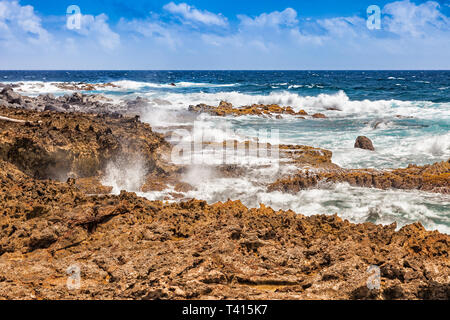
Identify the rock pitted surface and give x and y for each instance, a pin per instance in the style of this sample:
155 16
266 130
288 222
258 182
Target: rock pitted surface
75 102
58 145
127 247
364 143
130 248
225 108
432 178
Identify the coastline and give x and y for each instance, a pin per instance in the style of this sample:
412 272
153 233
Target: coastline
57 213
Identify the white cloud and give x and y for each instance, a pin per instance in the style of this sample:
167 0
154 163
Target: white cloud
192 14
153 29
20 22
287 17
182 36
98 28
407 18
348 27
305 38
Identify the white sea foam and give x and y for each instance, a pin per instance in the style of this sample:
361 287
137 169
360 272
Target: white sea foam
38 87
353 203
319 103
312 104
125 174
138 85
33 88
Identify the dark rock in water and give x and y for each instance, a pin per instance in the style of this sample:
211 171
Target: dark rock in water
173 84
319 116
333 109
364 143
377 124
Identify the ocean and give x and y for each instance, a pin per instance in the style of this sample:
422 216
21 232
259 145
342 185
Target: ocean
405 113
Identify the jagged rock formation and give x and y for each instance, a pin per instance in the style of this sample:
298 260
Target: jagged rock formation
76 102
128 247
58 145
226 108
432 178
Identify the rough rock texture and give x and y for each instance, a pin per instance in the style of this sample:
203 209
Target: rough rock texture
433 178
61 145
364 143
299 155
76 102
319 116
130 248
226 108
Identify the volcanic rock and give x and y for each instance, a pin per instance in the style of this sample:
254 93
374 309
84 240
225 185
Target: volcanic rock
364 143
319 116
127 247
225 109
432 178
11 96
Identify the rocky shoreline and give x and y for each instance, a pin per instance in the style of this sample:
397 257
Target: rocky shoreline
225 109
56 213
430 178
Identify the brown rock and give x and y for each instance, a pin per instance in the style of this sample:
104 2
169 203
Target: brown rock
433 178
128 247
225 109
319 116
364 143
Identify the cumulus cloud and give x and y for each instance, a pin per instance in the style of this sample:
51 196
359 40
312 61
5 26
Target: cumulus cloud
287 17
191 14
21 22
412 36
407 18
154 29
97 27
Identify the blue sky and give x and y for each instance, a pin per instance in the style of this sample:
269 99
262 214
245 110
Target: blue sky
201 34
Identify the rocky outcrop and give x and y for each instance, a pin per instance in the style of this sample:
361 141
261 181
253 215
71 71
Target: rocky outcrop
364 143
127 247
319 116
78 145
432 178
10 96
83 86
226 108
75 102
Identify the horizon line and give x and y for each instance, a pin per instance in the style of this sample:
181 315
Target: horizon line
9 70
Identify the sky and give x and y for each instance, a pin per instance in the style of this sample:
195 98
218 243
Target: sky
224 35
